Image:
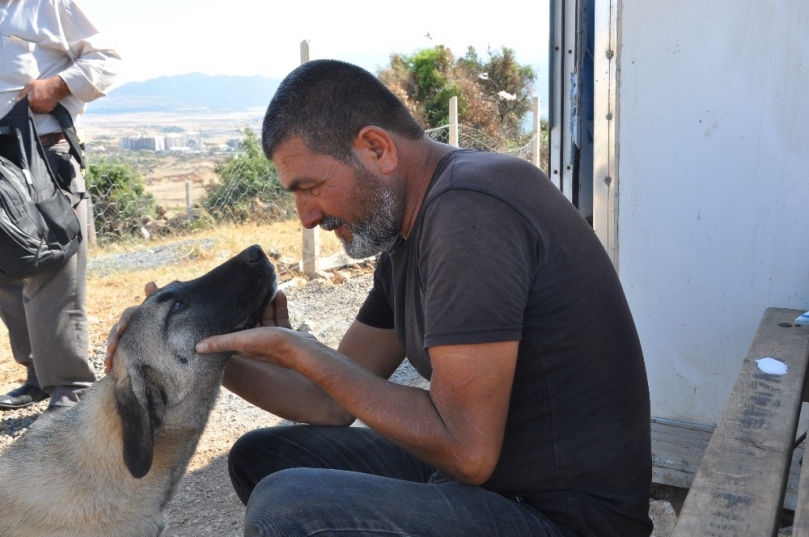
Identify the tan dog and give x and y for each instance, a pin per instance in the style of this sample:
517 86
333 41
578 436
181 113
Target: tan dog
108 466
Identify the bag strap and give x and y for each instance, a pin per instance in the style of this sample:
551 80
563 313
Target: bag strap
22 111
20 124
27 151
66 122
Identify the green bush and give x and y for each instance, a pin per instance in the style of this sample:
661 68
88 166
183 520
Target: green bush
249 186
120 201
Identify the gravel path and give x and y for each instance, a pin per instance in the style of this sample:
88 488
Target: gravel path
168 254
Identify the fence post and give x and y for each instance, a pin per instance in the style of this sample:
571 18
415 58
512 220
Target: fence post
537 133
453 121
189 210
311 238
91 224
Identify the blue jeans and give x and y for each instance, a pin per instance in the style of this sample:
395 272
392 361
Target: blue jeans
305 480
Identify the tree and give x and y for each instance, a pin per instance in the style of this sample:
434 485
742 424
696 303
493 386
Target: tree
493 94
503 83
249 185
120 200
426 81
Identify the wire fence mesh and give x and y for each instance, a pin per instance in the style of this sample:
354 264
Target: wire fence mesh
244 187
471 138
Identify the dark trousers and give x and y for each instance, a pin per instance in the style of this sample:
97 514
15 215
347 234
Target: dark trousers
305 480
46 314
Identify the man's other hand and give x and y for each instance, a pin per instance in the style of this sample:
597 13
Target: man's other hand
276 313
43 95
120 327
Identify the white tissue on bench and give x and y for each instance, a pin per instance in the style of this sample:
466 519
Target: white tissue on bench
772 366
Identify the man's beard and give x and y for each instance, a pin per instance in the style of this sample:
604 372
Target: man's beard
379 227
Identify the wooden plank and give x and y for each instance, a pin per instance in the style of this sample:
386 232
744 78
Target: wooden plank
739 487
340 260
800 524
795 467
677 449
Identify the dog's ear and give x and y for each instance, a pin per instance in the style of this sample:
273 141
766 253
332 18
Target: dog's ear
141 418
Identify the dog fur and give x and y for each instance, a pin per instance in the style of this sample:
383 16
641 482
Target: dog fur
108 466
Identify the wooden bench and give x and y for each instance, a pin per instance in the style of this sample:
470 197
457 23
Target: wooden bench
739 487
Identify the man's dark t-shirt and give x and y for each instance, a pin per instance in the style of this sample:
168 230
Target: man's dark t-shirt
497 253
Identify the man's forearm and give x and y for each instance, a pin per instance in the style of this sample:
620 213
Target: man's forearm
405 415
283 392
457 426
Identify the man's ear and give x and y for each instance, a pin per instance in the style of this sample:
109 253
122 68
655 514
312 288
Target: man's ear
376 149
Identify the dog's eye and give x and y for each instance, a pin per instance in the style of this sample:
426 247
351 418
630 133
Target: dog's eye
177 305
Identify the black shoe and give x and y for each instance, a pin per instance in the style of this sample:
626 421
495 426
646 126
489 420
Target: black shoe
22 397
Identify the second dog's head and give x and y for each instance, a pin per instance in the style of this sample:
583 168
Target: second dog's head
156 367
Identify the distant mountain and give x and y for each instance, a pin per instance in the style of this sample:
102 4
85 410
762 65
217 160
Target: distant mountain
193 92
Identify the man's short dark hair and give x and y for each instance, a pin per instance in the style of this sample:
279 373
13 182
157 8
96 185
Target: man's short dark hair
327 103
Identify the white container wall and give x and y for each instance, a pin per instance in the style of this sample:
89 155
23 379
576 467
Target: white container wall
713 185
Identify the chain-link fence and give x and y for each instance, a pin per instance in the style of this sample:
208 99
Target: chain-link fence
471 138
127 205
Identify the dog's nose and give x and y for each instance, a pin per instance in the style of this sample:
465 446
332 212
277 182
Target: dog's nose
255 253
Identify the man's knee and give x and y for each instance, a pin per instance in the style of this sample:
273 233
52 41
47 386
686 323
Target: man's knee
253 457
287 503
239 468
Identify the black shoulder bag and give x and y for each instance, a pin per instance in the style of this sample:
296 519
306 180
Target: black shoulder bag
39 228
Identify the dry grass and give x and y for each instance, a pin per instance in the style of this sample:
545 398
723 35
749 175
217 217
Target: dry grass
108 296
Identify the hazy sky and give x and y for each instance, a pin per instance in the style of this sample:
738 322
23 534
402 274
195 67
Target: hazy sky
249 37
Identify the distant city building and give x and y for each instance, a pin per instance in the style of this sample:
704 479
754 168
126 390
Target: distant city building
148 143
186 141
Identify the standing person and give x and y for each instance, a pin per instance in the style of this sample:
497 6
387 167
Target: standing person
536 421
52 54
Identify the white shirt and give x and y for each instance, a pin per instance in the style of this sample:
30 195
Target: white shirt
43 38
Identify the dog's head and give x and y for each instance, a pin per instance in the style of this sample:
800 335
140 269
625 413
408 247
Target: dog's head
156 367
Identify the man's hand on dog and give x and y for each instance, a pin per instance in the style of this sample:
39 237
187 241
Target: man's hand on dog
276 314
273 341
273 344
